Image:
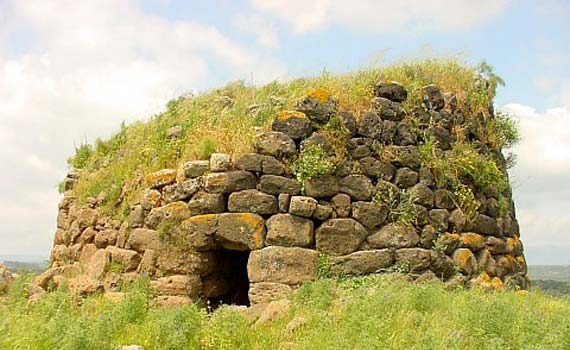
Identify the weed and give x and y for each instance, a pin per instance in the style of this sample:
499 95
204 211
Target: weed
82 156
311 162
400 203
323 266
464 199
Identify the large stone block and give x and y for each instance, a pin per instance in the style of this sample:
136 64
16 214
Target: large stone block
465 261
371 215
302 206
362 263
358 187
160 178
197 232
339 236
293 123
276 185
394 236
207 203
172 211
413 259
240 231
253 201
289 230
182 285
129 259
265 292
277 144
142 239
291 266
321 186
391 90
230 181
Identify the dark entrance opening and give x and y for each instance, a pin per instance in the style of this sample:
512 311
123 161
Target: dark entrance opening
229 284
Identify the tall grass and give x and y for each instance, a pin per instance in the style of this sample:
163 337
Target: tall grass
372 312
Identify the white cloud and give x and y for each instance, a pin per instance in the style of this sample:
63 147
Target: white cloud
90 66
540 178
382 16
264 31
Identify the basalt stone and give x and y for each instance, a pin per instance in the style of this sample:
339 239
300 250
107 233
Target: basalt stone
339 236
375 168
407 156
359 147
371 215
271 166
394 236
220 162
172 211
457 221
439 218
150 199
370 125
413 259
289 231
323 211
450 101
426 178
287 265
433 98
388 110
423 194
406 136
198 231
252 201
206 203
178 285
473 241
391 90
318 105
406 178
276 185
160 178
302 206
420 214
448 242
320 140
277 144
492 207
444 199
485 225
105 238
441 135
284 199
142 239
230 181
321 186
294 124
349 122
195 168
465 261
389 132
428 236
358 187
496 245
362 263
180 191
137 216
265 292
250 162
128 259
442 265
240 231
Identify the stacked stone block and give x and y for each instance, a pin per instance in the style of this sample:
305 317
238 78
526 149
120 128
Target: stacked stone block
186 218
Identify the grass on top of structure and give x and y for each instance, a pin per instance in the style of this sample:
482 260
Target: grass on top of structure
224 120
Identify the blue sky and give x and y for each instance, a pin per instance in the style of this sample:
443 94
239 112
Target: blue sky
72 71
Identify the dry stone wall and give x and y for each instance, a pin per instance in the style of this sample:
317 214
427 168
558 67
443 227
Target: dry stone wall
250 229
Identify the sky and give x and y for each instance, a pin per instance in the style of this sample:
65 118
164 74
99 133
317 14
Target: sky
72 71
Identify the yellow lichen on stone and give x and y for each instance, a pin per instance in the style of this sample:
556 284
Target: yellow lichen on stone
320 94
201 218
497 284
160 178
258 228
472 239
290 114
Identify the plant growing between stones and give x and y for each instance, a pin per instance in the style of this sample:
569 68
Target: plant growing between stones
464 199
311 162
400 203
324 266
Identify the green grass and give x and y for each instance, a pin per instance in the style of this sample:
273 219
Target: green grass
210 124
371 312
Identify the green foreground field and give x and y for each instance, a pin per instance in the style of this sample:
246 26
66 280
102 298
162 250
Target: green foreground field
371 312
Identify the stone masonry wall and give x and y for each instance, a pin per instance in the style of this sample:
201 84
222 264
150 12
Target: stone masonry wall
187 221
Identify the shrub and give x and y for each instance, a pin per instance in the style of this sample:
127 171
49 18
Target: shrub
82 155
311 162
502 131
